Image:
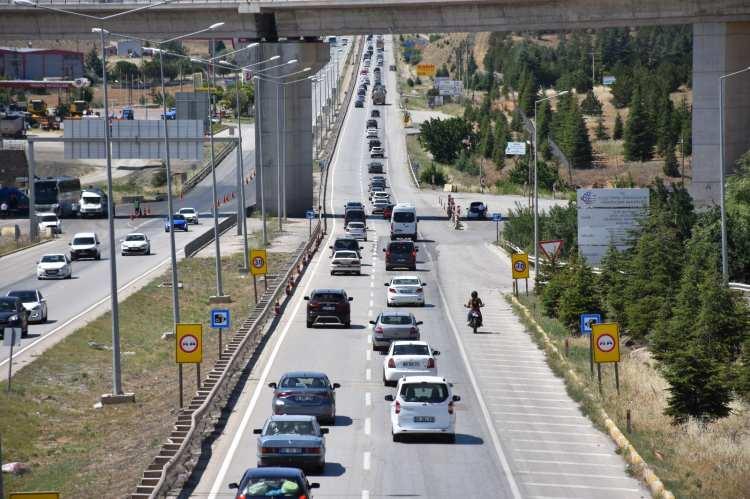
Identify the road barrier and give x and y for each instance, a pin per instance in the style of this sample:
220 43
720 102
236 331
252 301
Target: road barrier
206 169
200 242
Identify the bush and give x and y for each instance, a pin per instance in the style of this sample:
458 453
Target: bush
433 174
159 178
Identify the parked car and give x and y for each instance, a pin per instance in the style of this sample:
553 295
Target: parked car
401 254
346 262
405 290
375 167
190 215
84 245
178 222
393 325
477 209
423 405
49 220
13 314
271 482
34 303
408 358
296 441
357 230
309 393
54 266
135 243
346 243
328 307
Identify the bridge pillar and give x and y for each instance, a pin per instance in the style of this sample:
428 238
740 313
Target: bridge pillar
289 108
718 49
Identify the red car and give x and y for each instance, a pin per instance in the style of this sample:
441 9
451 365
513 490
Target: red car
387 211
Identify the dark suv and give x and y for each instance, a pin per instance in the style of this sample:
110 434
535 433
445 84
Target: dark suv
328 307
401 254
13 314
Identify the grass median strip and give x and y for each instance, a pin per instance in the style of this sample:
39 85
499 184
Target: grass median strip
48 421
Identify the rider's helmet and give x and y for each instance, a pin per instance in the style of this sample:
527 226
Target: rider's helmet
474 294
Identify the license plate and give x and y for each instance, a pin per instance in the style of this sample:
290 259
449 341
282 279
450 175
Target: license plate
410 364
424 419
329 307
290 450
304 398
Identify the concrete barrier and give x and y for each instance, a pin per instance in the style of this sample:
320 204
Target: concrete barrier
11 232
207 237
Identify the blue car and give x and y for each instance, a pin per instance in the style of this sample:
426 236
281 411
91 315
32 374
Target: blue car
178 221
272 482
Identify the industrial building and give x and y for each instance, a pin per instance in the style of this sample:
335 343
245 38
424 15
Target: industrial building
37 64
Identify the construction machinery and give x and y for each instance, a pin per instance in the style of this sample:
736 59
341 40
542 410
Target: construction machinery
78 108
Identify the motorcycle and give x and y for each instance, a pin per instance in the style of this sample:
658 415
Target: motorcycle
475 319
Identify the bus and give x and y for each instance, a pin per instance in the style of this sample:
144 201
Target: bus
60 195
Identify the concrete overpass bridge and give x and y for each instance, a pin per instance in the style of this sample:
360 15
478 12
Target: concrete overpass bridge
721 37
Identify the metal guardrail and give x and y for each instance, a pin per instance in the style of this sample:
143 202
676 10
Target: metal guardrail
203 172
200 242
740 286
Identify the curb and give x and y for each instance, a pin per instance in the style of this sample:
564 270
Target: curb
640 468
18 250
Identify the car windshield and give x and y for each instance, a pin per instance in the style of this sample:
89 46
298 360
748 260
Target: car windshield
335 297
177 217
53 259
7 305
25 296
356 225
83 240
91 199
188 211
49 218
272 487
135 237
396 320
290 428
303 382
346 254
424 392
347 244
408 281
411 350
401 247
476 204
403 217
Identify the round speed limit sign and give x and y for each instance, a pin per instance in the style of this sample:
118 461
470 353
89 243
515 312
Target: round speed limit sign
519 266
258 262
605 343
188 343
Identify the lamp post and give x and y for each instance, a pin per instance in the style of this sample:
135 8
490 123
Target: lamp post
117 394
722 170
536 180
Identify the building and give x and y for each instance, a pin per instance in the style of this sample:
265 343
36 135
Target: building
37 64
129 48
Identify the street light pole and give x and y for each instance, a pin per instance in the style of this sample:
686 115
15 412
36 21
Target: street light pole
217 244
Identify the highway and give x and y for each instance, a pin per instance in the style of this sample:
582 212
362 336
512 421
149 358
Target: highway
518 433
73 302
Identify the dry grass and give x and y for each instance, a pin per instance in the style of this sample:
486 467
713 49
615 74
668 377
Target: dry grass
9 245
694 461
49 422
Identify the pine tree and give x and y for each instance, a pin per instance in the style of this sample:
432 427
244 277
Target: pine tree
611 285
601 130
544 121
618 130
591 105
575 141
516 123
671 166
579 295
667 130
500 142
742 383
639 135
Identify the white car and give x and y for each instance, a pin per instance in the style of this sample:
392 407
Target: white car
408 358
85 245
190 215
135 243
372 133
380 195
49 220
379 204
34 303
346 261
423 405
405 290
54 266
357 230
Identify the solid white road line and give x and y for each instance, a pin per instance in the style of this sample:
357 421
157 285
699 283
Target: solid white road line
568 453
583 475
365 494
587 487
553 442
368 354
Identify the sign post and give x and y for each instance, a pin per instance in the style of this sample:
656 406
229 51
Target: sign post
497 218
310 214
520 270
605 339
11 338
220 321
258 266
588 320
188 350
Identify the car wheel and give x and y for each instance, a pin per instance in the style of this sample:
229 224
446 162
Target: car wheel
451 438
98 257
122 253
166 230
321 468
44 319
332 272
388 267
348 324
148 251
309 324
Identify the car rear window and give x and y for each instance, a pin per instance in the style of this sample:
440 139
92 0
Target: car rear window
83 240
405 281
411 350
346 244
346 254
290 428
272 487
329 296
303 382
424 392
403 217
401 247
395 320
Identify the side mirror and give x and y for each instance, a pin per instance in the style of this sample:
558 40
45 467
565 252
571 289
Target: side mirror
234 485
435 353
389 398
386 284
416 249
351 298
324 431
331 247
257 431
315 485
456 398
383 250
424 284
372 322
419 323
272 385
336 385
306 298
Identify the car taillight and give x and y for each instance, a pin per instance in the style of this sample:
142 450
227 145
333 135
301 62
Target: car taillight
378 330
282 395
413 254
267 450
391 362
303 496
430 363
450 407
397 407
392 290
311 450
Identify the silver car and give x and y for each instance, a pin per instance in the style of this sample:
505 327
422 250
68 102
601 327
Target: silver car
391 325
295 441
305 392
345 262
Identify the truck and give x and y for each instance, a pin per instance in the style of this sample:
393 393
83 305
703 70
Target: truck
78 108
378 96
13 125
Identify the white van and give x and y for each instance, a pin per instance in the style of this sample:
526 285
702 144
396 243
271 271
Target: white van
404 221
93 203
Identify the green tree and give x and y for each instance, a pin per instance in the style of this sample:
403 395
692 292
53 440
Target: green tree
601 130
591 105
574 138
671 166
500 141
617 132
93 63
639 133
611 283
123 70
445 138
580 293
742 383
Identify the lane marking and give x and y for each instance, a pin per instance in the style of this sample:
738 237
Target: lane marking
531 415
371 301
365 494
587 487
368 374
568 453
366 461
582 475
369 339
368 425
571 463
368 354
368 399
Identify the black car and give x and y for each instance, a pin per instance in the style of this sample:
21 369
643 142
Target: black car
359 103
372 123
375 167
13 314
328 307
272 482
401 254
375 113
355 215
374 143
345 244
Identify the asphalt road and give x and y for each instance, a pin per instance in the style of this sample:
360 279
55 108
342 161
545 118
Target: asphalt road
72 302
518 433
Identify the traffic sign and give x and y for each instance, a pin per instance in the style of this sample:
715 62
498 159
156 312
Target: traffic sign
515 149
220 318
606 342
426 70
12 336
34 495
588 320
497 217
551 248
258 262
189 343
310 214
520 264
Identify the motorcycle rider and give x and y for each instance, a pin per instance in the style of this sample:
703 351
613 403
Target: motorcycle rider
475 304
